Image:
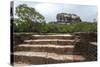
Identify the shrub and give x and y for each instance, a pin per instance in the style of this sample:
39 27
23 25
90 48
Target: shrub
55 28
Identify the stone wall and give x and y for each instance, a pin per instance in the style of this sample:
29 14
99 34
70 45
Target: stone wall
19 38
84 46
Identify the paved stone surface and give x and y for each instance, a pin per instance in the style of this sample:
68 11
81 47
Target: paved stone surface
93 43
50 55
53 35
48 40
47 45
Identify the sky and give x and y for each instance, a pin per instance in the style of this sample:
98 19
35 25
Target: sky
50 10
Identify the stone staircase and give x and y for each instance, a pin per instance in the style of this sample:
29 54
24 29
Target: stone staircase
47 49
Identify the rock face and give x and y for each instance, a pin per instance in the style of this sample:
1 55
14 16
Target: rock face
66 18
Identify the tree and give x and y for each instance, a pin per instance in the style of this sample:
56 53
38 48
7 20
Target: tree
27 16
26 13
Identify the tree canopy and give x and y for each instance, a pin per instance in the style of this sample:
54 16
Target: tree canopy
28 14
27 18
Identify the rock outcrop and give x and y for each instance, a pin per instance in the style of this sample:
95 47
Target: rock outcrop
67 18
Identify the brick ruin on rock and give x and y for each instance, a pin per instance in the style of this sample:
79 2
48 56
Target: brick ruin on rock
67 18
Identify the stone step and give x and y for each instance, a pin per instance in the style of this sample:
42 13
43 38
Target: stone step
57 36
61 49
67 35
20 64
44 58
49 41
93 43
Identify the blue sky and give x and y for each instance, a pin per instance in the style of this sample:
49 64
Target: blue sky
50 10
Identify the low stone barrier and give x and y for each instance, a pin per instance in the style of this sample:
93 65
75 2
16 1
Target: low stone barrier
84 47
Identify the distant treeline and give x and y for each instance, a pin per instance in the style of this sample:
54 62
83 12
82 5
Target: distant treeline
55 28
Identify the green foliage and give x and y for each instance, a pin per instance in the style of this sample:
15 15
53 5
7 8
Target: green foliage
27 17
57 28
28 14
22 26
29 20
